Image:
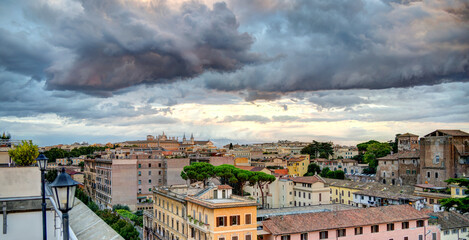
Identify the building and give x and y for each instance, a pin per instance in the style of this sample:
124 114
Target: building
402 168
167 143
210 213
371 198
345 152
391 222
298 166
407 142
458 191
342 191
453 226
310 191
122 177
432 195
444 154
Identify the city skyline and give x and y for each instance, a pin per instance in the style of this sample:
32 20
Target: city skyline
233 71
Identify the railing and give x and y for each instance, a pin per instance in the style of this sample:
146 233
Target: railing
198 225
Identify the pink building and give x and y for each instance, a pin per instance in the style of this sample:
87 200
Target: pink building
398 222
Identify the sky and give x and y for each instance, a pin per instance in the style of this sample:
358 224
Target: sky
240 71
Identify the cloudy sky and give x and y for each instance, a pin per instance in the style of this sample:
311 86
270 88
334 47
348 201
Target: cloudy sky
240 70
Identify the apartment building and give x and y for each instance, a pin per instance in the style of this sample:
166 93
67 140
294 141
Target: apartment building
401 168
124 177
342 191
345 152
349 166
202 214
298 165
444 154
392 222
311 190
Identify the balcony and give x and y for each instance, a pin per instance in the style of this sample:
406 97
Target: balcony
198 225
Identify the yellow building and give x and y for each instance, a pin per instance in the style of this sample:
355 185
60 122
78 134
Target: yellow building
297 166
212 213
457 191
242 161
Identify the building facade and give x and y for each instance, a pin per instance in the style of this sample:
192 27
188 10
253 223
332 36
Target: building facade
384 223
444 154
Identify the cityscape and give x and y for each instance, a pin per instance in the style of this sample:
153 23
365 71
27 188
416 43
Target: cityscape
234 119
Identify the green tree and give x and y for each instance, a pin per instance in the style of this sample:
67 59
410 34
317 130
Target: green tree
233 176
51 175
313 169
119 206
198 171
25 153
55 153
460 204
375 151
363 146
261 179
321 149
324 172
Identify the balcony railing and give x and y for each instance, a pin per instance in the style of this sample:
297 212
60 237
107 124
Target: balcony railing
198 225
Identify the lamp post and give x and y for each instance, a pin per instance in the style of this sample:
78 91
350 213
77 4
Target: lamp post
63 189
42 164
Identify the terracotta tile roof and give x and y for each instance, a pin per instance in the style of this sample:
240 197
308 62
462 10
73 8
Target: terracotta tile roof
245 167
296 159
401 155
309 222
310 179
407 135
257 169
224 187
387 195
455 133
375 186
449 220
281 171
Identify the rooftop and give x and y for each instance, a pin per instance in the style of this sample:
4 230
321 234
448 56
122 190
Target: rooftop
449 220
401 155
309 222
302 209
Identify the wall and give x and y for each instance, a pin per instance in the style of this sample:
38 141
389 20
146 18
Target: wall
124 182
20 182
174 168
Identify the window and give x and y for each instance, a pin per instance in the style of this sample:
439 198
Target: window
457 191
149 173
221 238
420 223
139 165
304 236
286 237
436 175
234 220
406 238
320 197
341 232
221 222
247 219
139 173
359 231
390 226
309 195
139 182
149 180
149 165
405 225
374 229
433 236
454 231
446 232
247 237
232 237
464 230
323 235
420 237
428 174
149 189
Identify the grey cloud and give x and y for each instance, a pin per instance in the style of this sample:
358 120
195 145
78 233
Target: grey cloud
153 120
246 118
111 45
336 99
355 45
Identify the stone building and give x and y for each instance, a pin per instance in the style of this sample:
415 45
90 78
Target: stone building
444 154
403 167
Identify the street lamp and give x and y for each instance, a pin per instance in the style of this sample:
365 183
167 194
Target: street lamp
63 189
42 164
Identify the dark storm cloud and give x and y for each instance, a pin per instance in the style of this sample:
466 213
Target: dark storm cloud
353 44
110 45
